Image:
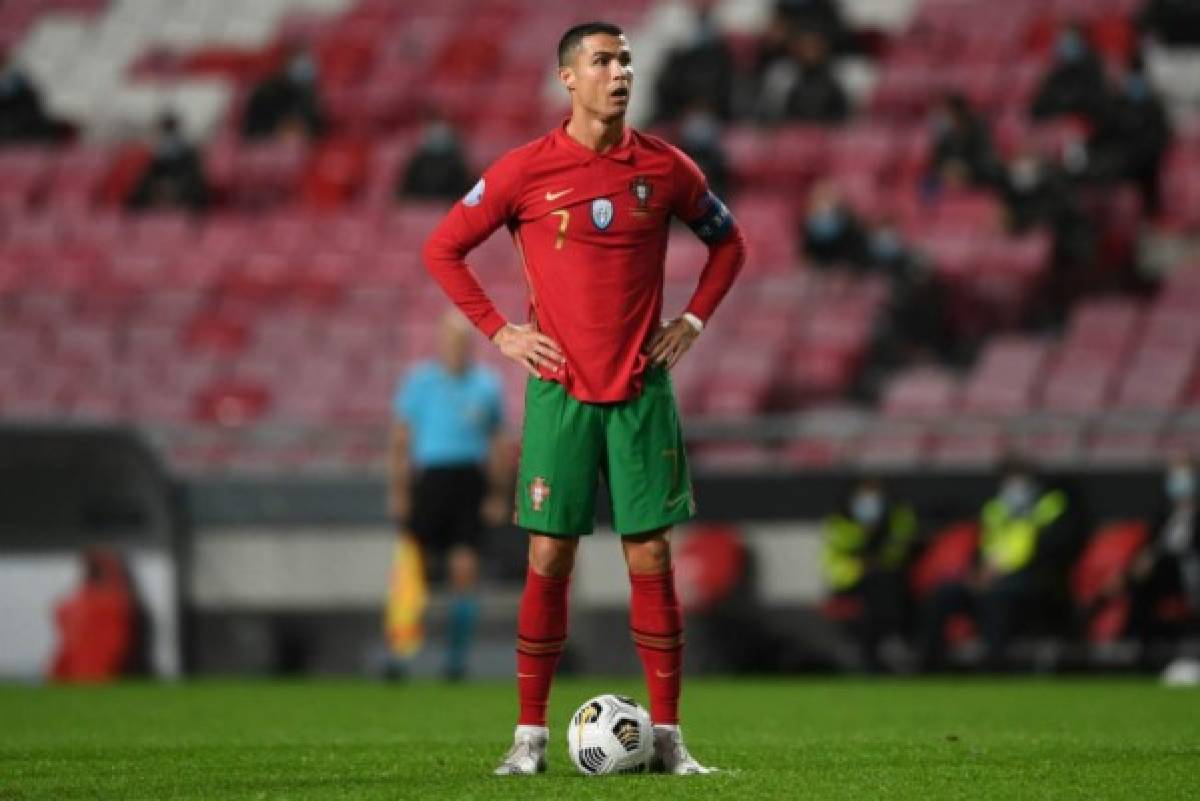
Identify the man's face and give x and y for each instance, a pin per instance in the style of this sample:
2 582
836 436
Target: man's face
454 343
600 75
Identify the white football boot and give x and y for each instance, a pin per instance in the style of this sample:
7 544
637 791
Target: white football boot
528 753
671 755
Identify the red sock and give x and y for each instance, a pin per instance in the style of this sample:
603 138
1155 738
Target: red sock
657 626
541 634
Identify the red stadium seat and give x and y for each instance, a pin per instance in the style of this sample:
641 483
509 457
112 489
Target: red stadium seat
927 392
949 558
1098 573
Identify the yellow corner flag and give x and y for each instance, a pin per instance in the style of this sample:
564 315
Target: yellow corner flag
407 597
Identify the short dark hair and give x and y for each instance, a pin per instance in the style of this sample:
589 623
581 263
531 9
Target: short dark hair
574 35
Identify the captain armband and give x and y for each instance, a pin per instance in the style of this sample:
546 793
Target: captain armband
714 223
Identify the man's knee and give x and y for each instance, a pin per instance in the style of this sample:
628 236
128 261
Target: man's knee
553 557
648 554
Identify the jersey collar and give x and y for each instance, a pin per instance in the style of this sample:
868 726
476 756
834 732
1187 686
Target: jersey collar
622 152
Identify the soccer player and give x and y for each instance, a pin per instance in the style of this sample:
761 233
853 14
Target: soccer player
589 207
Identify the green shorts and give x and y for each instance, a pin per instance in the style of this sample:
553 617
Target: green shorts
636 446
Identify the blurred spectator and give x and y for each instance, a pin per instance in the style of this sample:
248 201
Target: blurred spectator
866 548
1016 551
1174 22
22 117
1040 194
174 178
832 235
1034 193
702 70
913 329
287 102
800 85
1075 84
448 471
823 17
962 149
816 96
1168 568
101 625
700 138
437 170
1131 137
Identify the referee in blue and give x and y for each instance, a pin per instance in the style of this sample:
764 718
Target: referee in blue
449 466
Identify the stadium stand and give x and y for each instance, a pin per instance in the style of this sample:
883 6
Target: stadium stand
268 332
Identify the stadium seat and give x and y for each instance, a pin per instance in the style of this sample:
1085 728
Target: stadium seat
923 392
1096 577
949 558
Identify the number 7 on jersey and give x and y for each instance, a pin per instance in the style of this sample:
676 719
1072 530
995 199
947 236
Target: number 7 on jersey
565 219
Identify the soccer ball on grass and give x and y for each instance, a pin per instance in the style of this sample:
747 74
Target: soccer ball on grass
610 734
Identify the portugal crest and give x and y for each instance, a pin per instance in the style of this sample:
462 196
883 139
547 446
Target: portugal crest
602 212
642 189
539 493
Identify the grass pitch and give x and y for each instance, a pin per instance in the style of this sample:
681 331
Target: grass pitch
786 739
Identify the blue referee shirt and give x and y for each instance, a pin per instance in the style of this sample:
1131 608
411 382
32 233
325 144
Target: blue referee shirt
452 418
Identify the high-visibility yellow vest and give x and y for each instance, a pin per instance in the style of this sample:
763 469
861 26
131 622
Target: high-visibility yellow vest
846 540
1009 541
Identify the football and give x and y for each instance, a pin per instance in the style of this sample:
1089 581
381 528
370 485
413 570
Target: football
610 734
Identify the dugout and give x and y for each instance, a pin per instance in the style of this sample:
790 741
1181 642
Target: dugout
290 571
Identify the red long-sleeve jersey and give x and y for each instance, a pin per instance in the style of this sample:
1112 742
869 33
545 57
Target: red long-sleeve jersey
592 230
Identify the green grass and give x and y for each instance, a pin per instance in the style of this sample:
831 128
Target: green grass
818 739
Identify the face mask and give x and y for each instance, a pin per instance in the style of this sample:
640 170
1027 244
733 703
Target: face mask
1136 88
1017 494
301 69
1069 47
885 245
1181 483
825 225
700 130
170 147
940 123
1025 173
439 138
867 508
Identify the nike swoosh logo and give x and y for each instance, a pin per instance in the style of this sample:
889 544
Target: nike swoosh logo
662 675
553 196
527 675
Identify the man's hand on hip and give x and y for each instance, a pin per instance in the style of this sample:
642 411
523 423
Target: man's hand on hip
529 348
669 342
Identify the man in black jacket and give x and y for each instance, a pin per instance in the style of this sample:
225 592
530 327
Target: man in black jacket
287 101
1075 84
174 178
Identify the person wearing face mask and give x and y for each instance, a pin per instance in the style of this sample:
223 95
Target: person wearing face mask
174 178
286 103
1169 566
701 70
831 233
1015 541
700 138
1075 83
815 95
914 329
1132 136
962 149
22 115
866 547
437 169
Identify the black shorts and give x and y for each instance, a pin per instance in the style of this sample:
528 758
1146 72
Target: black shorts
446 505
